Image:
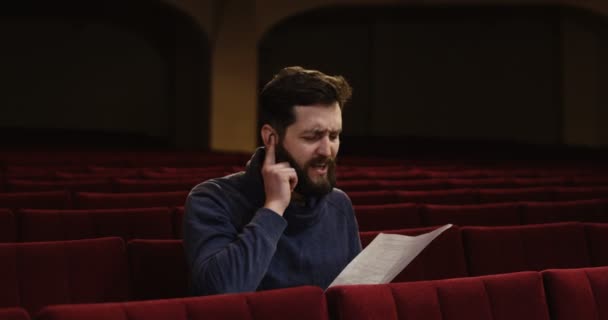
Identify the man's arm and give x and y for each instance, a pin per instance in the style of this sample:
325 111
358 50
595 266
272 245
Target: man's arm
222 259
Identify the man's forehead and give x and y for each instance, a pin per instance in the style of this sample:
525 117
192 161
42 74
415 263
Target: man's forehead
318 118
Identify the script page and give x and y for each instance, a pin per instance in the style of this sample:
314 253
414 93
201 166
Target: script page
385 257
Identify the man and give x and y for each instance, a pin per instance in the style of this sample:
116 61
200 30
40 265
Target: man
281 223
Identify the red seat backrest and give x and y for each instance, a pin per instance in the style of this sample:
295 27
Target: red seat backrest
579 210
35 200
388 216
494 214
14 314
597 238
491 250
92 200
49 225
498 297
298 303
577 294
37 274
8 227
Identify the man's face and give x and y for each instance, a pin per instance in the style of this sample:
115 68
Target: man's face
311 145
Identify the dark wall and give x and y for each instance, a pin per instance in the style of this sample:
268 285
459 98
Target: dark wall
474 73
127 67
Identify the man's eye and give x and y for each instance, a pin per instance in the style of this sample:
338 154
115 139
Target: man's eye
311 138
334 136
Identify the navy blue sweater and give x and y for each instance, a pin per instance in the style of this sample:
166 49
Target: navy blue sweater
234 245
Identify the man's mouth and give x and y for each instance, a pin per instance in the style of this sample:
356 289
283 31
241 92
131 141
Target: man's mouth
319 167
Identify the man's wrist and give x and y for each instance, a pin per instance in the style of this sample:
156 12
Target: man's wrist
276 208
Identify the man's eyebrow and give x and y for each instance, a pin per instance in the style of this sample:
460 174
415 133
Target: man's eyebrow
318 130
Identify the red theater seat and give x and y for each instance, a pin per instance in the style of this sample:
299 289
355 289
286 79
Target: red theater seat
35 200
97 185
443 258
158 269
495 214
597 238
370 185
299 303
516 194
37 274
178 221
91 200
499 297
359 198
577 294
579 210
581 193
388 216
49 225
156 185
8 227
13 314
492 250
452 196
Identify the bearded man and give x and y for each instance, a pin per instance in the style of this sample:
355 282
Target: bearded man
280 223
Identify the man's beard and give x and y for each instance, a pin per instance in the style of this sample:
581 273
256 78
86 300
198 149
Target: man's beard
306 186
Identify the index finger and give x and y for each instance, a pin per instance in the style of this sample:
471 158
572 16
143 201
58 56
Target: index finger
270 156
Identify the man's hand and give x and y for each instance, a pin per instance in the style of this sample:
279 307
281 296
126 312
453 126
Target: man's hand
279 180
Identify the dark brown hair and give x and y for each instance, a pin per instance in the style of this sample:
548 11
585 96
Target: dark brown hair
296 86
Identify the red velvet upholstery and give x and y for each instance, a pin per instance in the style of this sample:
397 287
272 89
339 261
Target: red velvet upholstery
492 250
389 216
178 221
158 269
35 200
597 238
384 174
577 294
91 200
48 225
96 185
482 183
581 193
156 185
8 227
360 198
369 185
516 194
580 210
495 214
299 303
452 196
13 314
443 258
498 297
37 274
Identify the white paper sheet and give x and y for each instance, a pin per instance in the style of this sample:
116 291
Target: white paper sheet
385 257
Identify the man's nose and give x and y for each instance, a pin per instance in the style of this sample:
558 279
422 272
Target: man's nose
324 148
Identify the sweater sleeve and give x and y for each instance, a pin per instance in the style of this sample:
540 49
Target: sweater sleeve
223 259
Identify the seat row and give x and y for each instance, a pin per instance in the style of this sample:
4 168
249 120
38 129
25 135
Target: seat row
187 181
477 196
411 215
566 294
90 200
457 252
26 225
36 274
102 200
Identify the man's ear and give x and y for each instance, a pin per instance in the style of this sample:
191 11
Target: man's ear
266 132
